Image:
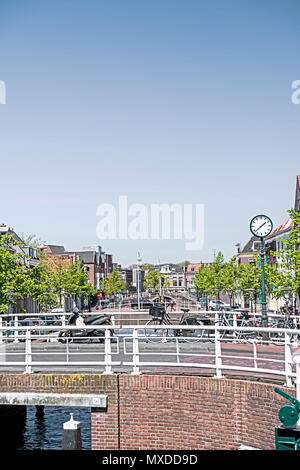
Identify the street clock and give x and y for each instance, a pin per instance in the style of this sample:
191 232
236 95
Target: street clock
261 226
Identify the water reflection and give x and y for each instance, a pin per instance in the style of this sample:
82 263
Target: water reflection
43 430
12 427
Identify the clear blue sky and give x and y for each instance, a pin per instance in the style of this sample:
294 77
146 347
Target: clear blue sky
175 101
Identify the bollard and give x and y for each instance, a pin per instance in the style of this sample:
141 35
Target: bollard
39 410
71 439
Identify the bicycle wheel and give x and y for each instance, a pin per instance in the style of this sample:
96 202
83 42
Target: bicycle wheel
222 333
279 337
244 334
191 335
153 333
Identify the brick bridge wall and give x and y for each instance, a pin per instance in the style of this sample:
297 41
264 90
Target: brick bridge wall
168 411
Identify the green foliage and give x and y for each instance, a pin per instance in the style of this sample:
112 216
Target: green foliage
248 277
14 280
155 281
57 278
30 240
184 263
203 280
227 277
113 284
286 270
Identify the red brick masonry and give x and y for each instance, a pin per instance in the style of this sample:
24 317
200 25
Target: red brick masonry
189 412
168 411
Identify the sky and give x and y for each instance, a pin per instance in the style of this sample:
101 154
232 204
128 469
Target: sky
162 101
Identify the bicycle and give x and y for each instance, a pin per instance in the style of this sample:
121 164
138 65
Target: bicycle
239 334
161 318
286 323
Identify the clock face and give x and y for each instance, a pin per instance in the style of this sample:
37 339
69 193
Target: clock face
261 226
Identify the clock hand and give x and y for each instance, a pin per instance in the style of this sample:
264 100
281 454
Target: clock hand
261 226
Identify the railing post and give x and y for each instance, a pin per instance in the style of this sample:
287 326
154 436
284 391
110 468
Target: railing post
218 352
288 358
107 353
135 353
28 369
16 334
234 323
255 353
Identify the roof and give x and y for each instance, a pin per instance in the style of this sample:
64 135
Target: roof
248 248
56 249
282 228
194 267
167 268
88 257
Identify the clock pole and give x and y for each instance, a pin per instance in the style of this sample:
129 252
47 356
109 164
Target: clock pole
264 316
261 226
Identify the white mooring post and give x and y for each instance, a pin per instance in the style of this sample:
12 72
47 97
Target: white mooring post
71 439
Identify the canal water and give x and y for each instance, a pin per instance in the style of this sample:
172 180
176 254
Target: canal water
43 431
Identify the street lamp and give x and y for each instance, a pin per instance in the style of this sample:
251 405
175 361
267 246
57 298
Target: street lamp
139 259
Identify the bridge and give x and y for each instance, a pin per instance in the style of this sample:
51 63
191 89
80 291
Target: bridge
127 347
124 378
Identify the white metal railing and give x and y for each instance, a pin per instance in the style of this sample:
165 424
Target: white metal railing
40 347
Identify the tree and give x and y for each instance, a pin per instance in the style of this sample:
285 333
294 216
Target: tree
146 267
210 280
229 278
15 282
30 240
203 281
56 279
184 263
216 279
155 281
113 284
249 277
286 270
